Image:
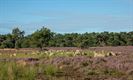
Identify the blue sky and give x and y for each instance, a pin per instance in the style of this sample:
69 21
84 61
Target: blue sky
64 16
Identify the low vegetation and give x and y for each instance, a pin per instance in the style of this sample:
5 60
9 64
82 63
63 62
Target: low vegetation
63 65
15 71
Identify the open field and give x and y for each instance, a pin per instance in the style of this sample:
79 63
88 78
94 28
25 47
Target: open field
96 63
66 39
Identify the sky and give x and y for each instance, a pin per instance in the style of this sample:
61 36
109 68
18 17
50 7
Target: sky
66 16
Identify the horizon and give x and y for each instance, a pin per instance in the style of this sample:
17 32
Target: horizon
71 16
25 34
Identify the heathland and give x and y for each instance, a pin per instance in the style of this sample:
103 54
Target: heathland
46 55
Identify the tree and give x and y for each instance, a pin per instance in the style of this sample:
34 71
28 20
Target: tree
17 35
26 42
7 44
102 38
2 38
45 38
42 37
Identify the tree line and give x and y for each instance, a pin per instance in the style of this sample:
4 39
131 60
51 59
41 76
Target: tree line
44 37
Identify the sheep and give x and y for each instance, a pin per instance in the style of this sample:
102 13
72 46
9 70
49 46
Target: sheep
14 54
99 55
111 54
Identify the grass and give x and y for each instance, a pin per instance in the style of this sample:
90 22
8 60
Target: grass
21 70
50 70
14 71
20 55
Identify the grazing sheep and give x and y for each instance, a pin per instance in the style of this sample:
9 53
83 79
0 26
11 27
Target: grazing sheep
98 55
77 52
14 54
111 54
33 53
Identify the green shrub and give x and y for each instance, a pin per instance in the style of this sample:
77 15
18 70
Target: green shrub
12 71
50 70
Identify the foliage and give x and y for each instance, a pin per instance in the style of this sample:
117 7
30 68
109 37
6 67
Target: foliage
44 37
41 37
